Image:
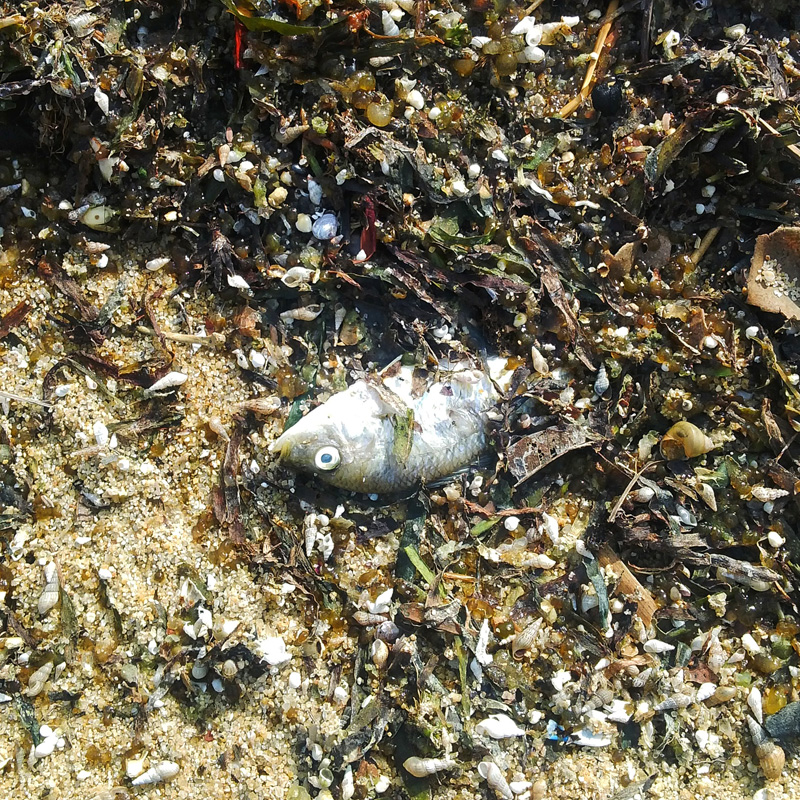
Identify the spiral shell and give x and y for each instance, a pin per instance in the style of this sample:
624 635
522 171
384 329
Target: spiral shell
38 679
601 382
380 653
50 593
304 313
525 639
296 276
499 726
493 776
539 362
771 757
163 771
425 767
684 440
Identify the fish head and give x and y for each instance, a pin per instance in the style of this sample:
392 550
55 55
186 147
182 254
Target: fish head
346 441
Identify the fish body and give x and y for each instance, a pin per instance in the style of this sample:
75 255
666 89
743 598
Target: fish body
396 432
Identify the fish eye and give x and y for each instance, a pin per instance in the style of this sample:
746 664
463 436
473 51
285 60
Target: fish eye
327 458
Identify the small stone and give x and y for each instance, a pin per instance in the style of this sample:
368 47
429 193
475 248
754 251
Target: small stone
101 435
415 99
775 539
304 223
278 196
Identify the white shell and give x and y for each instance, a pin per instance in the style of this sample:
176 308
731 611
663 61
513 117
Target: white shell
155 264
163 771
423 767
49 596
499 726
134 767
533 55
97 217
481 655
764 494
705 691
541 561
549 526
101 435
528 28
380 653
304 313
754 702
38 679
382 602
389 25
272 649
101 98
492 774
45 747
539 362
169 381
347 785
296 276
657 646
237 282
643 495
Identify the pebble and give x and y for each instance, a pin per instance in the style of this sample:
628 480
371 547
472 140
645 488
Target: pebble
415 99
304 223
278 196
775 539
101 435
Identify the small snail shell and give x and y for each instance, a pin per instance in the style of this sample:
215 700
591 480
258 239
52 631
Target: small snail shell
525 639
684 440
380 653
163 771
229 669
494 777
771 758
50 593
424 767
601 382
770 755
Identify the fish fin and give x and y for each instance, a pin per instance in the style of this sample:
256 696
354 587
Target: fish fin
484 462
389 404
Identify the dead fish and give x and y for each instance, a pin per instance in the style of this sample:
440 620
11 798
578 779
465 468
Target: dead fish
397 431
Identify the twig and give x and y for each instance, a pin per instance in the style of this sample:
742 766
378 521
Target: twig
793 148
532 7
647 21
705 243
215 340
605 29
631 483
22 399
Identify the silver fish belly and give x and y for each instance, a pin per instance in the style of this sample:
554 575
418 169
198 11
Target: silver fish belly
392 434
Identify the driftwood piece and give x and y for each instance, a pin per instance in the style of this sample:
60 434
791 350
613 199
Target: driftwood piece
628 584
